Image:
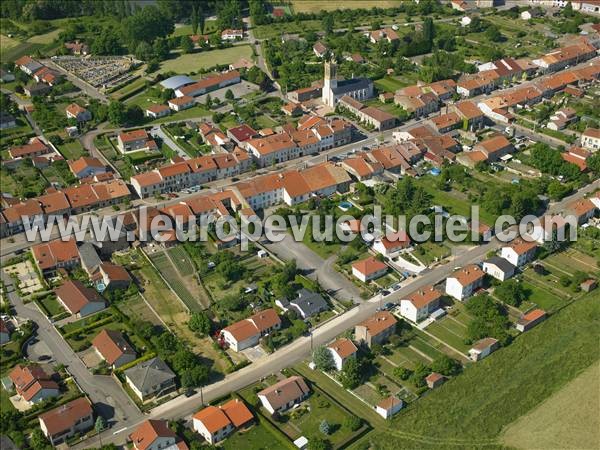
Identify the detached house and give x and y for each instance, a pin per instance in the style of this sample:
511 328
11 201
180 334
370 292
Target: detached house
342 350
78 299
590 139
376 329
157 111
32 383
156 435
499 268
61 423
464 282
86 166
519 252
215 423
283 395
130 141
246 333
152 378
113 348
392 243
79 113
420 304
369 269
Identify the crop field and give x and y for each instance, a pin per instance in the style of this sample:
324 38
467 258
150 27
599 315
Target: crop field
135 308
192 62
577 406
184 264
169 272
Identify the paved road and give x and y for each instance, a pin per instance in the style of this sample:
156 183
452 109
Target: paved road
182 407
315 267
111 400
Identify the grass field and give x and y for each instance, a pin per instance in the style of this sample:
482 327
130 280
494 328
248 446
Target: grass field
254 438
493 393
389 84
46 38
579 425
193 62
311 6
7 43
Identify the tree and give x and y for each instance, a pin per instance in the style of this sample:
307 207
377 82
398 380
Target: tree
99 426
317 443
511 292
323 359
446 366
116 113
353 422
146 25
200 323
187 46
351 376
419 374
428 30
229 94
327 23
402 372
324 427
38 441
194 376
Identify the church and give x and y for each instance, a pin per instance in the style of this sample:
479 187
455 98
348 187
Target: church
333 89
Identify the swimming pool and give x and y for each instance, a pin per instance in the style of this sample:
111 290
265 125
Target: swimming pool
345 206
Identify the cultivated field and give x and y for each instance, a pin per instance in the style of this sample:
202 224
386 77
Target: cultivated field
309 6
193 62
6 42
577 405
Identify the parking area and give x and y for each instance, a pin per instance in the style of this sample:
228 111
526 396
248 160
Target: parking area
38 351
90 358
254 353
239 90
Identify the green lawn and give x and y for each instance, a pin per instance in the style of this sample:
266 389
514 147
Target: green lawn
430 252
389 84
450 332
52 305
192 62
72 150
257 437
494 392
542 297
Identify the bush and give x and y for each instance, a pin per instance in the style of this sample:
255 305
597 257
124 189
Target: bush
353 422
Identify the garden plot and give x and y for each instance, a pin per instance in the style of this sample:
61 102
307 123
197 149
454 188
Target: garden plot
184 288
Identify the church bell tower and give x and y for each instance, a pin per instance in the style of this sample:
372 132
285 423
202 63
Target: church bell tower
329 83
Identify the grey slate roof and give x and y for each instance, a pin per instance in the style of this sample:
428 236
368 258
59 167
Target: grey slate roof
89 256
176 82
501 263
149 373
309 303
352 84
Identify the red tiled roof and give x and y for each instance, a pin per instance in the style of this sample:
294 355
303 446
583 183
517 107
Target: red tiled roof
64 417
75 295
369 265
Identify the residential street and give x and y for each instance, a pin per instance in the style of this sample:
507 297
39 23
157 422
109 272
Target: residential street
315 267
108 397
183 407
